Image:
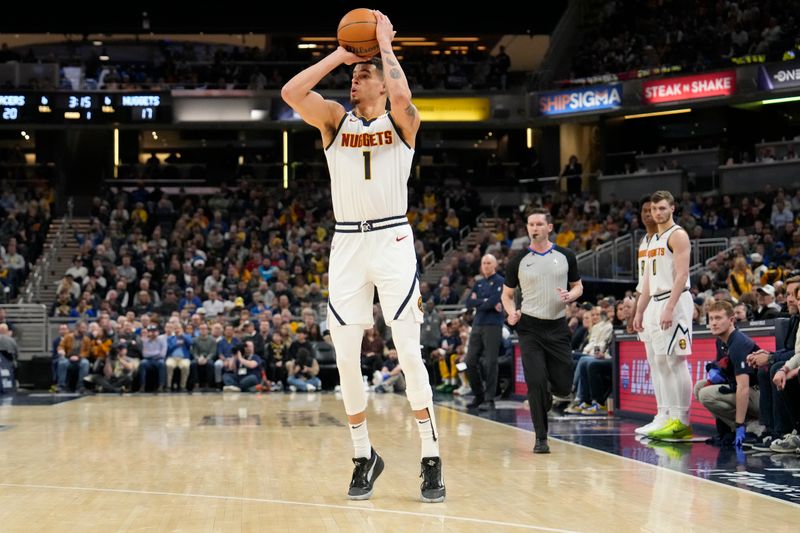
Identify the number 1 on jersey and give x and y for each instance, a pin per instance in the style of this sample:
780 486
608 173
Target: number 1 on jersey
367 164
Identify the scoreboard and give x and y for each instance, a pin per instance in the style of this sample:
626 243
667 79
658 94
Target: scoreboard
84 107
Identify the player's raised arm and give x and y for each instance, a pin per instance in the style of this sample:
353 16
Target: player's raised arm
403 111
315 110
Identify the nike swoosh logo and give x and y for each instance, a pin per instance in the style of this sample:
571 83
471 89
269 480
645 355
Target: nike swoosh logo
398 239
529 264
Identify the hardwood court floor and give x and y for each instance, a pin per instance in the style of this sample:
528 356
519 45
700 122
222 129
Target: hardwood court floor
268 463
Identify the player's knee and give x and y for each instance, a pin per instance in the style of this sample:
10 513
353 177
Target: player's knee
419 398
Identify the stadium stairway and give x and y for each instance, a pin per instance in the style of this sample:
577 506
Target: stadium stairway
62 259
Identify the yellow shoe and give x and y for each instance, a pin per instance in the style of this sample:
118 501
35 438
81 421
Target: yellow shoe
662 427
676 431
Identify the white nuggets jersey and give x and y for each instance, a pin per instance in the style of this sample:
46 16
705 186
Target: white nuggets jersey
641 261
661 263
660 268
369 164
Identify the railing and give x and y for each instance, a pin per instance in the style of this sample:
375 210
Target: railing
451 311
586 265
697 268
617 259
447 245
30 325
34 283
428 259
623 258
705 249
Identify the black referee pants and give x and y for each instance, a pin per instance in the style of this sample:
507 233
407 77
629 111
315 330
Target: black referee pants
547 364
484 344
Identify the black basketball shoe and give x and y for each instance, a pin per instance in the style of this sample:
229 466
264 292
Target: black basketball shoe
365 473
432 488
541 446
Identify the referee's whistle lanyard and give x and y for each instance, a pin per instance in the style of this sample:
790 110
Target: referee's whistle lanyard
542 253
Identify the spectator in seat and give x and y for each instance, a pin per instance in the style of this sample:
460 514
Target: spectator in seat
276 352
226 348
371 353
391 375
773 411
595 351
154 351
75 347
302 372
203 349
118 368
767 308
243 369
179 355
60 361
740 280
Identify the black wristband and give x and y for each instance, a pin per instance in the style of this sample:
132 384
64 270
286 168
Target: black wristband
738 425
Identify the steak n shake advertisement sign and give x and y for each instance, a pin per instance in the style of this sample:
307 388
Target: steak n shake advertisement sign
689 87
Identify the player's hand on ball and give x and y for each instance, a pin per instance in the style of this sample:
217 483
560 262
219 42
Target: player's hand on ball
349 58
514 317
384 31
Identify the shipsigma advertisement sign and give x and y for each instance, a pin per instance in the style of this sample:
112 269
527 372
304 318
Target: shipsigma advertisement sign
779 76
595 98
689 87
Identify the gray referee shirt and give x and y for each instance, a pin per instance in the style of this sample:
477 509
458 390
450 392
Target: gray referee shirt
539 275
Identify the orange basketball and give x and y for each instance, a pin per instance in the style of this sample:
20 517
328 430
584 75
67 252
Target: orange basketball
356 32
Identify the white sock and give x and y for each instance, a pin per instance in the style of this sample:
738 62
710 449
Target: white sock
664 376
429 435
656 378
682 383
361 444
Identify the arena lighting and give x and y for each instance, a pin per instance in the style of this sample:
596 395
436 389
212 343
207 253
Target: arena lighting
461 39
781 100
529 137
403 42
116 152
285 159
318 39
660 113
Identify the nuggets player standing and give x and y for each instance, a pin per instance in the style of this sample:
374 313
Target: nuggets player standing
644 263
369 152
669 323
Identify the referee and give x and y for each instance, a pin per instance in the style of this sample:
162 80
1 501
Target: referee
543 271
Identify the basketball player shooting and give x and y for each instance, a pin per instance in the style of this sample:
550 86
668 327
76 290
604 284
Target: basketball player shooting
369 152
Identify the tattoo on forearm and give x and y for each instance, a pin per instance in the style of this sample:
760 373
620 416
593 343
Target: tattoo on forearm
395 74
388 55
411 110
